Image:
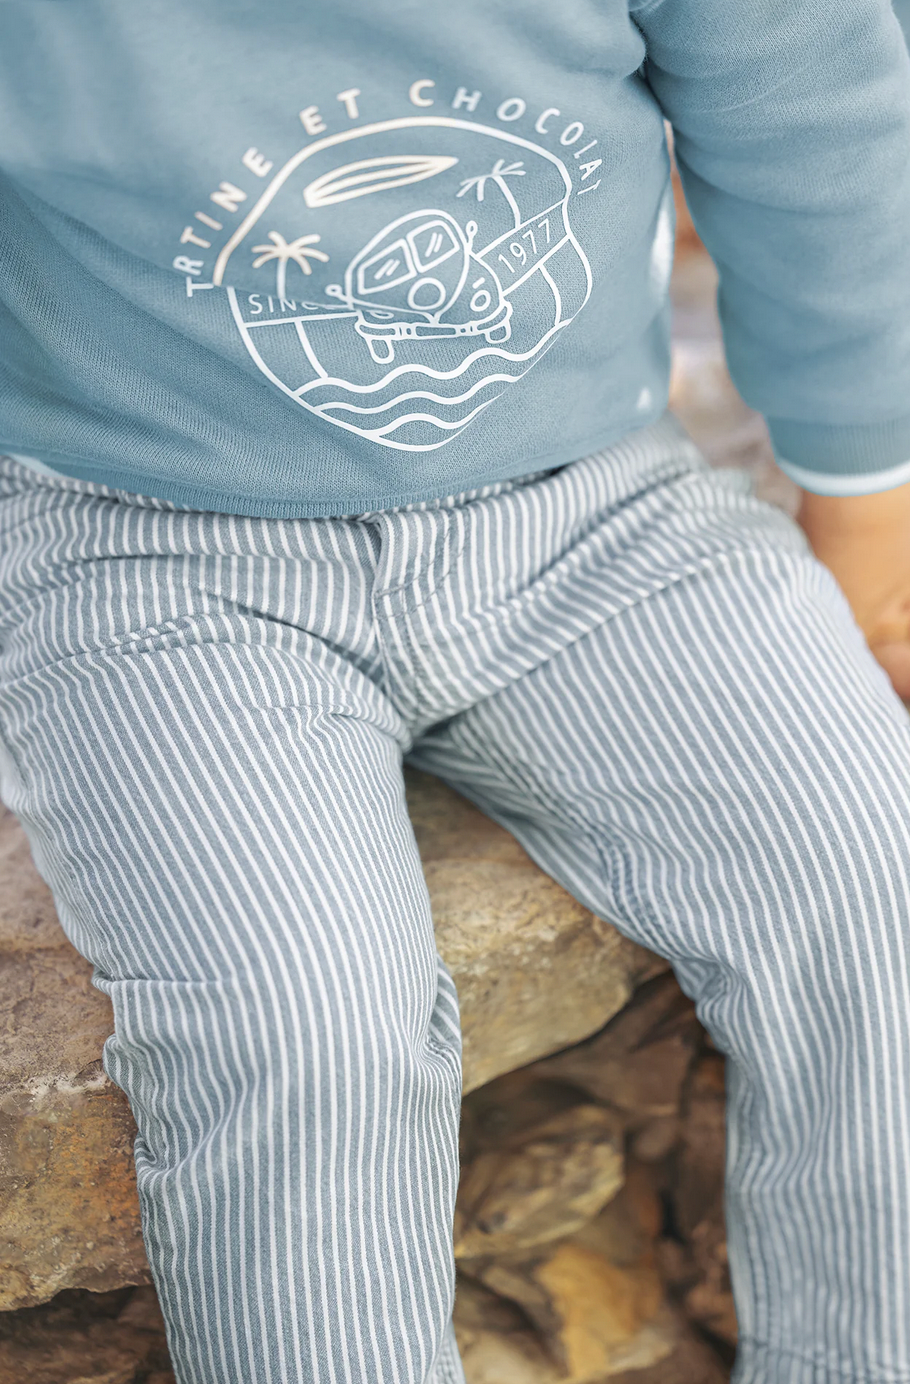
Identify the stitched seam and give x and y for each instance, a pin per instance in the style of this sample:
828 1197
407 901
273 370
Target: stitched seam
434 581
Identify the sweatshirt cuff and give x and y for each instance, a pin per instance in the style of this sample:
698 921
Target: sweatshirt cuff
858 459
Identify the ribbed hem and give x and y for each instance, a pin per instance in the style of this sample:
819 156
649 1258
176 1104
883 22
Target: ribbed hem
858 459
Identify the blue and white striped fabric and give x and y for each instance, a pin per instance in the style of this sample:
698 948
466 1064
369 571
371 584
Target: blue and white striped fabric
641 672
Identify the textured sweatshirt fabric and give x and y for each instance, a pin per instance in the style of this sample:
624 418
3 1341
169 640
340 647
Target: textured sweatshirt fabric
902 10
284 259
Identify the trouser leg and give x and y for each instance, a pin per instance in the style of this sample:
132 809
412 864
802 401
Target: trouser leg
723 771
218 808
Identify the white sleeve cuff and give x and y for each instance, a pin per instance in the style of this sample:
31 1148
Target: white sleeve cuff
870 483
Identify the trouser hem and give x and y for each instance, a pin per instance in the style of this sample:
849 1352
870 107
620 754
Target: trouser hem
763 1364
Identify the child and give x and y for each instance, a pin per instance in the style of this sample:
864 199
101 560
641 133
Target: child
334 359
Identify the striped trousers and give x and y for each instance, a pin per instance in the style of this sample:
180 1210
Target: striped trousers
635 667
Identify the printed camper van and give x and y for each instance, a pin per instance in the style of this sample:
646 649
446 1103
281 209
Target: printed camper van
419 278
394 279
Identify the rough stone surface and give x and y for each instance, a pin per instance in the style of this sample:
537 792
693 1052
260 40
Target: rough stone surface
638 1062
691 1362
563 1172
534 969
81 1338
495 1339
552 1220
68 1211
118 1338
595 1318
703 1275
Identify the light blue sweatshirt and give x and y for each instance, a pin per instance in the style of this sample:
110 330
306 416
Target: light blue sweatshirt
902 10
283 258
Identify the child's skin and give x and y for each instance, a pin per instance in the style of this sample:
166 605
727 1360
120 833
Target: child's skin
865 541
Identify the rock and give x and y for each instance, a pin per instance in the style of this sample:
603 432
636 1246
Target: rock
690 1362
534 970
111 1338
68 1210
639 1061
595 1299
496 1344
595 1318
700 1268
500 1114
596 1304
560 1176
626 1230
655 1139
700 1168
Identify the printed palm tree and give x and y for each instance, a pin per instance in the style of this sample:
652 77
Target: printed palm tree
281 250
498 175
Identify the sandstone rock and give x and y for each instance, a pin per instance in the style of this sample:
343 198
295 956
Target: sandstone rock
534 970
690 1362
496 1344
700 1167
595 1318
626 1230
500 1114
564 1171
638 1063
656 1138
68 1211
595 1298
115 1338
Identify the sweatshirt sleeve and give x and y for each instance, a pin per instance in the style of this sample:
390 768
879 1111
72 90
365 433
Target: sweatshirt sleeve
792 132
902 10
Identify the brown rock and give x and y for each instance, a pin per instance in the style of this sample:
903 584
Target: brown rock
534 969
656 1138
68 1208
690 1362
626 1230
639 1061
703 1150
596 1299
710 1301
496 1343
595 1318
42 976
81 1338
560 1176
702 1270
501 1114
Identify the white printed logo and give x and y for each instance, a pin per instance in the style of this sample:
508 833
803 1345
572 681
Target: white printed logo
403 325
